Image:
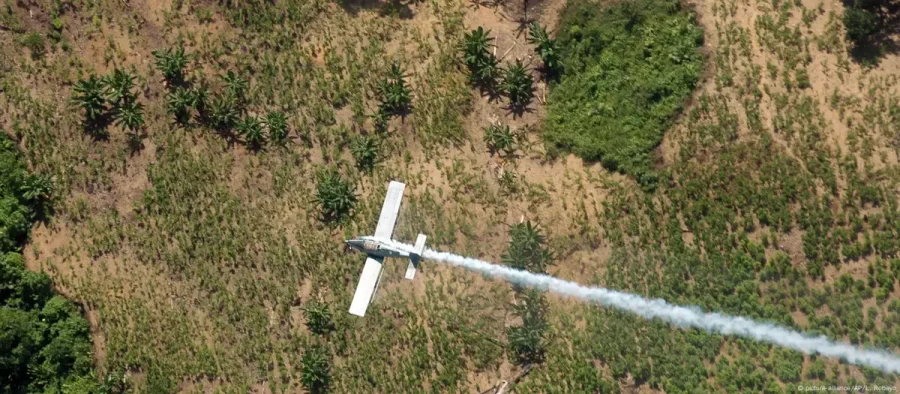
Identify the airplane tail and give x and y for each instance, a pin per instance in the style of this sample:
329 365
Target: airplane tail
415 257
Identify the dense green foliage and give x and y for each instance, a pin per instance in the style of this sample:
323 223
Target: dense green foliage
45 344
860 23
499 139
484 68
334 195
628 70
528 251
546 48
517 85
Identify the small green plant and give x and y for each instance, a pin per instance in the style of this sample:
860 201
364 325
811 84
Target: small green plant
527 341
35 43
223 112
518 85
118 87
251 128
545 47
316 369
171 62
89 96
178 103
499 138
276 123
318 317
335 196
130 116
393 93
365 151
484 69
380 121
235 86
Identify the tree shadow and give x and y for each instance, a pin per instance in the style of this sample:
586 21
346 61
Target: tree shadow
396 8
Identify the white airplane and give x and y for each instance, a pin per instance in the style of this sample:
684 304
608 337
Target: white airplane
377 251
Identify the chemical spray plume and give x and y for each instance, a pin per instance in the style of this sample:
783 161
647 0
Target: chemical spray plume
679 315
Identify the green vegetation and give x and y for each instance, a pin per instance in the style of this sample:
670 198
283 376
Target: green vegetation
484 68
628 70
45 344
546 48
364 149
527 251
518 86
861 24
171 62
316 370
335 196
393 93
499 139
35 44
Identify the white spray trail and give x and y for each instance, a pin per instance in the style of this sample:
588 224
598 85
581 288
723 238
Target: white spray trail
678 315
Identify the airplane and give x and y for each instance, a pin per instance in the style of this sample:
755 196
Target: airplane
376 251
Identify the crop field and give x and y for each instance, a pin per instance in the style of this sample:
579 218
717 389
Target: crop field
737 156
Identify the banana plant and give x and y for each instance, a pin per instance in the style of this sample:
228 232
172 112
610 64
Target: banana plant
252 130
171 62
518 85
89 96
118 87
546 48
276 123
130 116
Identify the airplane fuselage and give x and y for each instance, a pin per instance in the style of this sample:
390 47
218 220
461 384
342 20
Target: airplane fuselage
375 248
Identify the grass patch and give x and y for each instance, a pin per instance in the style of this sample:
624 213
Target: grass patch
627 70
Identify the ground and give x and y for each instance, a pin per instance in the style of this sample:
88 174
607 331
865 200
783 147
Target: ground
194 256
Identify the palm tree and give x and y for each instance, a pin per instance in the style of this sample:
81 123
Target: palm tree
252 130
334 195
118 87
89 95
276 122
178 102
171 62
316 369
130 115
545 47
365 151
518 85
499 138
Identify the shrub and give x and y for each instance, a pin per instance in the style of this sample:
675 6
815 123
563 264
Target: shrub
171 62
130 116
35 43
89 95
518 85
251 128
118 87
393 93
546 48
860 24
335 196
365 151
316 369
276 123
482 64
622 84
179 102
223 112
499 138
318 317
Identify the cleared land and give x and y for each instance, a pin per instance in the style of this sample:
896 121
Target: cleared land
196 256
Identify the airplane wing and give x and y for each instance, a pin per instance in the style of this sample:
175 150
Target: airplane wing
371 274
390 210
365 289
